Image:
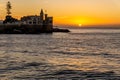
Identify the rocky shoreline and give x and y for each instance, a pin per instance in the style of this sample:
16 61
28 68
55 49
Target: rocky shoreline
28 29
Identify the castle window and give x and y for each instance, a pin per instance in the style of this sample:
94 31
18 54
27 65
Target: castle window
30 22
34 22
50 21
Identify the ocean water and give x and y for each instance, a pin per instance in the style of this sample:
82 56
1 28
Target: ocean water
82 54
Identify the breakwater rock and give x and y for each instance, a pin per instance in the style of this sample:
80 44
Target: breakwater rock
60 30
28 29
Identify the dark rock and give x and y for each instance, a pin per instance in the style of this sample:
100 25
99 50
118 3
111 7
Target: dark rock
27 29
60 30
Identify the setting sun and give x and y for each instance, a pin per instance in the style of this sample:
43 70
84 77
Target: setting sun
80 25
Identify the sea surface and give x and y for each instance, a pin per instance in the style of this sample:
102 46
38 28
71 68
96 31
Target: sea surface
82 54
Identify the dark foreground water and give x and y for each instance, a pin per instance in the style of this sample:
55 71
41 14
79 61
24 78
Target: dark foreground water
83 54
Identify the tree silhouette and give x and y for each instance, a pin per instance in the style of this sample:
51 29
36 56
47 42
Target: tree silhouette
8 7
9 18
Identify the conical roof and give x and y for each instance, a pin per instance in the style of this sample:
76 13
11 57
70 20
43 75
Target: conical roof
41 11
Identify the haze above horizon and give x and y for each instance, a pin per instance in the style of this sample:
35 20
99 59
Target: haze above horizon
68 12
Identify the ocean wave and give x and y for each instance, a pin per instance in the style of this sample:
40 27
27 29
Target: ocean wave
82 75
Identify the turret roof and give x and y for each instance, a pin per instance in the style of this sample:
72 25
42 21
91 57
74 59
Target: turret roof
41 11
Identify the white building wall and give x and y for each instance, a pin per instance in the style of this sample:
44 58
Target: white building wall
33 20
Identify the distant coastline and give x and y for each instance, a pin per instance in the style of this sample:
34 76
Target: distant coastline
93 27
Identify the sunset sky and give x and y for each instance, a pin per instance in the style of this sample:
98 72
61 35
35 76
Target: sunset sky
68 12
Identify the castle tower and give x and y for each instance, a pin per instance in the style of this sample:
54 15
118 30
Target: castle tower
42 15
46 15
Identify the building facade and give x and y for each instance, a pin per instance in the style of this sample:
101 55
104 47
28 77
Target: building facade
42 20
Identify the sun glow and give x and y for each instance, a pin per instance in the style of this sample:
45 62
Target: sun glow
80 25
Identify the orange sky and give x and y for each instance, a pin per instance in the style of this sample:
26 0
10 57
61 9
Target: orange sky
68 12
